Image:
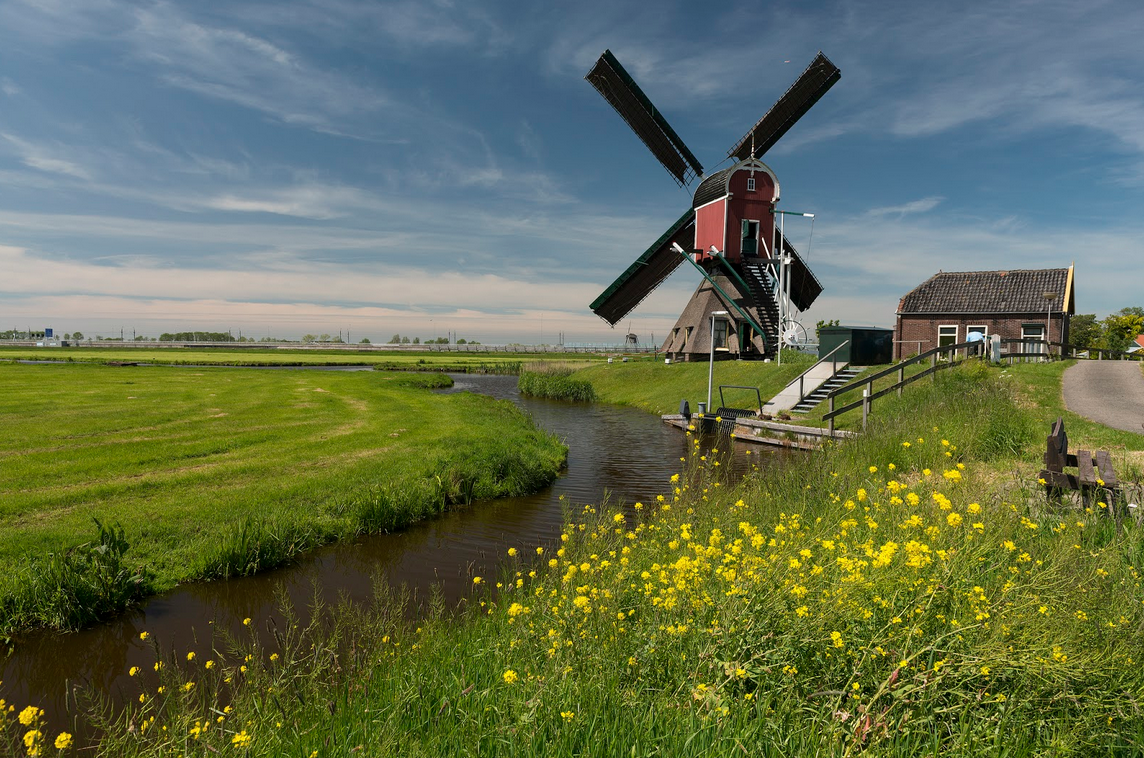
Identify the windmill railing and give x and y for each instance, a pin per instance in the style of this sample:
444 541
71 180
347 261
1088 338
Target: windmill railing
866 383
833 368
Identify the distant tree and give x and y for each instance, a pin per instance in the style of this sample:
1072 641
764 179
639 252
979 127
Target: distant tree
395 339
823 324
1120 330
364 341
462 341
324 338
308 338
416 340
1084 331
67 335
337 340
405 340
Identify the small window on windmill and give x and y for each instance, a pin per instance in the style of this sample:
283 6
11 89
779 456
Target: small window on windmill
719 336
751 184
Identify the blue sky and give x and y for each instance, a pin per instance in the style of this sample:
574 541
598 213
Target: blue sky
289 167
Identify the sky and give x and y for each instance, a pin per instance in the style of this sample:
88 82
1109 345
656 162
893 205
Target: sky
371 168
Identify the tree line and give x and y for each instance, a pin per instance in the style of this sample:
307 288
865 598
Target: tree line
1116 331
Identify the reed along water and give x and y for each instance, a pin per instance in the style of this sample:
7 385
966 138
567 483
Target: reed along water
621 454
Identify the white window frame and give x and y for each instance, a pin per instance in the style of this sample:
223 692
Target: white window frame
943 327
977 328
750 184
1033 331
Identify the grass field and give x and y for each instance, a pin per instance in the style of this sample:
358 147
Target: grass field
395 360
221 471
657 387
900 594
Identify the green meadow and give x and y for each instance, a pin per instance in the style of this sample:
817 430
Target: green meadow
397 360
909 592
220 471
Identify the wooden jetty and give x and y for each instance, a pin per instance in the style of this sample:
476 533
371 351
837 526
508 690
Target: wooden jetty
762 432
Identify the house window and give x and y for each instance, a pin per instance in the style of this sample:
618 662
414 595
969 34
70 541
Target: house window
982 330
947 335
751 184
1035 334
719 336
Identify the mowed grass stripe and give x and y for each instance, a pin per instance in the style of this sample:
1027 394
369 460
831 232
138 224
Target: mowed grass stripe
183 458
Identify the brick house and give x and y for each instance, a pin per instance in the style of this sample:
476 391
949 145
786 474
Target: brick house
945 308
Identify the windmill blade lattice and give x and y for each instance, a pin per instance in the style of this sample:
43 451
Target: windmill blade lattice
621 91
811 85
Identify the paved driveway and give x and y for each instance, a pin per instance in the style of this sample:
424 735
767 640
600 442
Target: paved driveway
1108 392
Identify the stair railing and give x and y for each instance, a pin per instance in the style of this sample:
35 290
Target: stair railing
866 383
833 368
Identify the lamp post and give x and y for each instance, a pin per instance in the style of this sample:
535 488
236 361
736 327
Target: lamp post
711 361
783 272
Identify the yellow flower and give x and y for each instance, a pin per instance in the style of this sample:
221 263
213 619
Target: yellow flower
188 686
512 552
510 676
973 508
836 639
242 739
144 635
246 622
953 519
63 741
476 580
540 551
31 738
567 715
985 671
873 469
133 671
191 655
273 657
30 714
208 665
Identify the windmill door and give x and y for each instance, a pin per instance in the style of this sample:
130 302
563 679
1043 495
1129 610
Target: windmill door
750 237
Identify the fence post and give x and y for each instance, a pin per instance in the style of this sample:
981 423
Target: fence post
830 424
901 378
865 407
933 365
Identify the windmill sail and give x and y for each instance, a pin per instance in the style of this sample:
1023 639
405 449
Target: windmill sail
819 77
621 91
804 285
648 272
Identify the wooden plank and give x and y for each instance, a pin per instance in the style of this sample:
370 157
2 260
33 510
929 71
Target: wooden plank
1057 479
1107 472
1086 474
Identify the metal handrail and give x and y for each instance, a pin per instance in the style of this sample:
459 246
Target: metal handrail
723 404
833 367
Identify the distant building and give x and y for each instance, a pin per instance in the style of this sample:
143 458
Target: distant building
1015 304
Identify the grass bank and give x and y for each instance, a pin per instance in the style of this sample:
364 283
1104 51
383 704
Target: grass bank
209 473
554 380
658 387
895 595
425 360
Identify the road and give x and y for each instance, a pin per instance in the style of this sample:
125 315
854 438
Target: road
1108 392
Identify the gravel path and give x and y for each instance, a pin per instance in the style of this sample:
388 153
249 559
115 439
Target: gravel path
1107 392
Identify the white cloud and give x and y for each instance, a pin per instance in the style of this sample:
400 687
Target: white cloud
9 87
914 206
43 158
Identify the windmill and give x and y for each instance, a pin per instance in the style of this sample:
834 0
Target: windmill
729 232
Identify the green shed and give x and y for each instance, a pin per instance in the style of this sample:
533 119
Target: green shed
865 345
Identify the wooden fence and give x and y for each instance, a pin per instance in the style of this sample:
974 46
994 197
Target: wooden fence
951 353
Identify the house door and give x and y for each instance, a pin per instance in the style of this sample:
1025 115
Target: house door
1033 336
750 237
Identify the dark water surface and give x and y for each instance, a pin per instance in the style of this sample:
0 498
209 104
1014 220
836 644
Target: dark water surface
616 452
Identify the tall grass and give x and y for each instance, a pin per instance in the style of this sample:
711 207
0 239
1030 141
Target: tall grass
553 380
79 586
895 595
